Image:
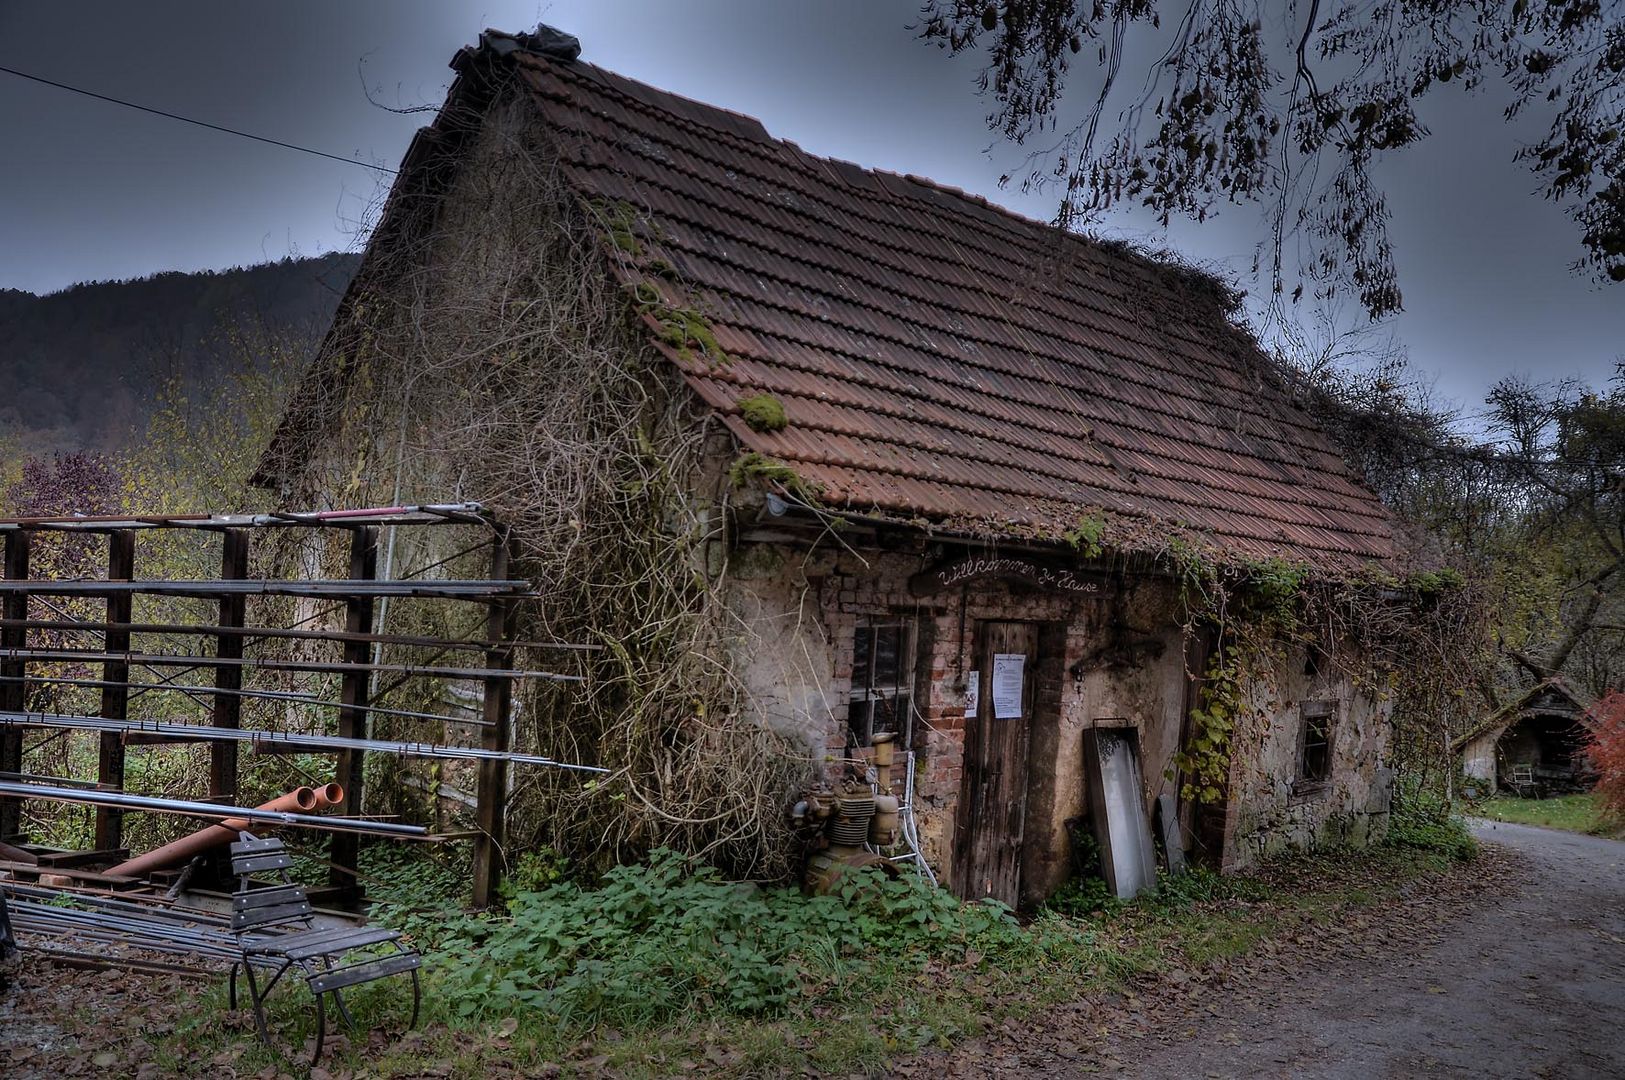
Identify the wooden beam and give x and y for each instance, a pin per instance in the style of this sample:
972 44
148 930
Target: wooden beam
58 859
491 809
115 695
10 853
354 694
227 711
13 695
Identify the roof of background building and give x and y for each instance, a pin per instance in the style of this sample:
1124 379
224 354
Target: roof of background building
940 358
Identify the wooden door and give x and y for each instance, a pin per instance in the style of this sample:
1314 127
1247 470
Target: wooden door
993 791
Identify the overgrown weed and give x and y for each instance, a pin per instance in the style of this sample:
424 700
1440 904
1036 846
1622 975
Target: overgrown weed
667 967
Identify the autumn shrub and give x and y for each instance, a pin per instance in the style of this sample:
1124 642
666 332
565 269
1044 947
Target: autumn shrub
1606 748
671 938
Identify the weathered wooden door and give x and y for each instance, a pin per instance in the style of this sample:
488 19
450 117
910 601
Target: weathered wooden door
993 791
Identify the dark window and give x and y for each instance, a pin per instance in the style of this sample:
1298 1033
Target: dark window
882 682
1315 759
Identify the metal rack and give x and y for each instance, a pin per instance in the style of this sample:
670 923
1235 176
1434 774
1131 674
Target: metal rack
232 634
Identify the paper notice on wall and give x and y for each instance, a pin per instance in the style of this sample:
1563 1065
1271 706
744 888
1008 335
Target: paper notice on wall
973 693
1009 670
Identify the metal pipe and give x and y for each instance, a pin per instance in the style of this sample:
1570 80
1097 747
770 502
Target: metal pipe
429 514
284 738
446 589
273 695
286 632
213 836
188 808
315 667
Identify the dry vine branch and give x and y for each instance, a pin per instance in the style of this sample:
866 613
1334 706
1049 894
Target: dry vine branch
491 355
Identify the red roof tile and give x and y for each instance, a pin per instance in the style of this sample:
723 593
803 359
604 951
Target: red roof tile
940 357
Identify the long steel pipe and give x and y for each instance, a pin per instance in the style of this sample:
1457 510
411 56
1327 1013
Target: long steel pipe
283 738
208 630
467 513
175 852
186 808
271 695
464 589
320 667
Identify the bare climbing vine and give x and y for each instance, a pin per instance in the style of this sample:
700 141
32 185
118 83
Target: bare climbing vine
491 354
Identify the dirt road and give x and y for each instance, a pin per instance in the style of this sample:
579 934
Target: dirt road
1526 979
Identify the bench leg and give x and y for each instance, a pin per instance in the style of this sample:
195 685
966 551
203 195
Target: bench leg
344 1011
311 972
231 995
259 1009
321 1030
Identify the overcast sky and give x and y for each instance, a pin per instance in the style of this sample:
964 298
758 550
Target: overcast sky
93 191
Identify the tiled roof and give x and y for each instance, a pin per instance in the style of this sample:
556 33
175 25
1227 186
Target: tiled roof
938 357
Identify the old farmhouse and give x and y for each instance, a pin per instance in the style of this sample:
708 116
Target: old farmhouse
844 456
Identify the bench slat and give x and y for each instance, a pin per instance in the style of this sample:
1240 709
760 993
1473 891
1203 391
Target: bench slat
265 843
365 971
275 894
267 916
242 865
328 941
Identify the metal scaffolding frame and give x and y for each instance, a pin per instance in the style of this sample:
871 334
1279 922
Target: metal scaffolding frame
230 631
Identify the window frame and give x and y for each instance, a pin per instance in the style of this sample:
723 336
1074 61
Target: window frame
1324 710
861 699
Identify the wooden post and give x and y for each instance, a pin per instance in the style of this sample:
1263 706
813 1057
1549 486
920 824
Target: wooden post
13 692
228 708
354 694
492 806
115 695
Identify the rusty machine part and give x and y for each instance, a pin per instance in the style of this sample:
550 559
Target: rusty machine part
299 800
839 822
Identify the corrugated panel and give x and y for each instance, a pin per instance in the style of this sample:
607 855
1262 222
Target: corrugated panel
939 356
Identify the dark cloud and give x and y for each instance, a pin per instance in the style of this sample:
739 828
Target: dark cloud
90 191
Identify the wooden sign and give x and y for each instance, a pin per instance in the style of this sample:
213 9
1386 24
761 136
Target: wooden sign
1042 574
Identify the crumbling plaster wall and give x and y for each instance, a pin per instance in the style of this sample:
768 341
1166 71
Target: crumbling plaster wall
1478 757
1271 809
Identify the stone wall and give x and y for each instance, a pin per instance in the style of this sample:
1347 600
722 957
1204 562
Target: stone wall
797 615
1270 809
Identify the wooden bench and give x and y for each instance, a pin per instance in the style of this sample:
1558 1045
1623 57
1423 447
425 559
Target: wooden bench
276 933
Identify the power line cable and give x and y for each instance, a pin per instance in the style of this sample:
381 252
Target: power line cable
198 123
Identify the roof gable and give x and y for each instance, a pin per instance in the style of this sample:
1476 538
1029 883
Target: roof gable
1554 694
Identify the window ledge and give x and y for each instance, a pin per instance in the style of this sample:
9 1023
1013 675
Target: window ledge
1305 790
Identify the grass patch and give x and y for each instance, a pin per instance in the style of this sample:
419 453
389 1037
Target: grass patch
1571 813
666 968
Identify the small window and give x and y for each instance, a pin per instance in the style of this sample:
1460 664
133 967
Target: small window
1315 757
882 682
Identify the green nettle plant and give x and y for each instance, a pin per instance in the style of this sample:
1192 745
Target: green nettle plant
656 941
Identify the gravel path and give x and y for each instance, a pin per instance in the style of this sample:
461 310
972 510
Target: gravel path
1525 978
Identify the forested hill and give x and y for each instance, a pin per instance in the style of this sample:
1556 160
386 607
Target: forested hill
82 368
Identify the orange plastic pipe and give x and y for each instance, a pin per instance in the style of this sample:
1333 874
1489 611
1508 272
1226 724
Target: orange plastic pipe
299 800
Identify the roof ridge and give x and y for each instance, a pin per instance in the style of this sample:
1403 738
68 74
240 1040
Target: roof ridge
1082 241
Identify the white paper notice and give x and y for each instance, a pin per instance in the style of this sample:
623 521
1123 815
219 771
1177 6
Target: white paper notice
1008 672
973 693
